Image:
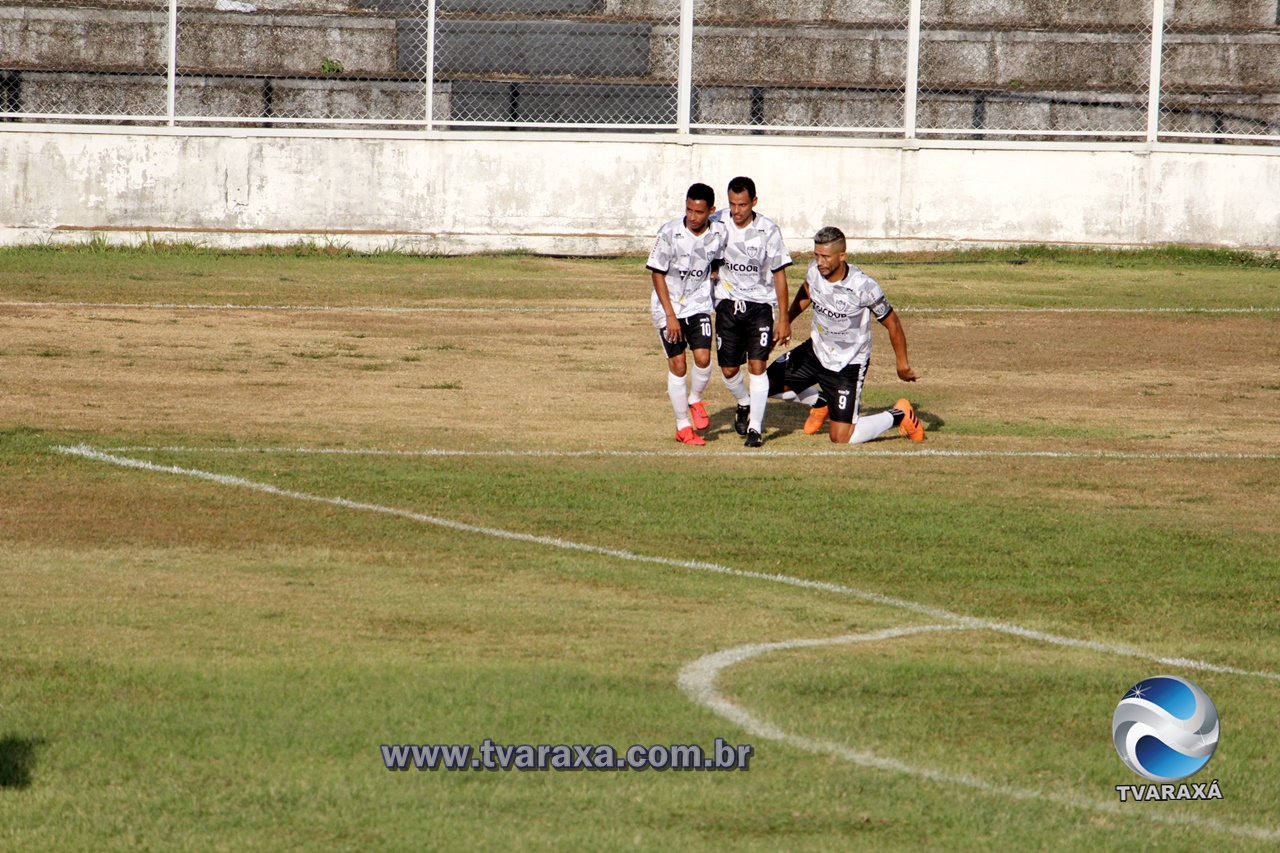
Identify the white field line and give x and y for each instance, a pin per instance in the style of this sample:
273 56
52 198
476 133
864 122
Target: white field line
698 681
368 309
568 309
926 610
694 454
699 677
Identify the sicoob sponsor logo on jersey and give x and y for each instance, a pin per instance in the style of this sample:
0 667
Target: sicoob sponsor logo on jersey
692 274
827 312
743 267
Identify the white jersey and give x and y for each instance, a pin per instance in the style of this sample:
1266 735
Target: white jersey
842 316
751 257
685 258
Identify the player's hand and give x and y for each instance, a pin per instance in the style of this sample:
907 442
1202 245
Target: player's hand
673 332
905 373
782 332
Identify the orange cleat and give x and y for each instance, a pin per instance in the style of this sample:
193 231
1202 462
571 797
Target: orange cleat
910 426
698 411
817 417
686 435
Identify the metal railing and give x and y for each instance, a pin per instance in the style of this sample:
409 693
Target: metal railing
891 69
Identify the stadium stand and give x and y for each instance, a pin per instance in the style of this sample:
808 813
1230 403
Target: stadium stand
1012 63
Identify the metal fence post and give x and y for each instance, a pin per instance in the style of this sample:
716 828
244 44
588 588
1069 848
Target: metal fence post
684 77
431 65
1157 57
913 71
171 85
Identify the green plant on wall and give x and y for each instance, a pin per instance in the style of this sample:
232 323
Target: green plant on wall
330 66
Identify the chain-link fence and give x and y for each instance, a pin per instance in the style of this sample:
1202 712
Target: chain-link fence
769 67
1220 71
551 62
1034 70
1017 69
282 62
60 60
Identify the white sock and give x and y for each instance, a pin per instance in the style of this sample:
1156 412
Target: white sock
872 426
759 388
701 376
808 395
679 399
737 388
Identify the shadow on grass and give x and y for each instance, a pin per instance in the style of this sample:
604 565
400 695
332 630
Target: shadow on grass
932 422
786 418
17 760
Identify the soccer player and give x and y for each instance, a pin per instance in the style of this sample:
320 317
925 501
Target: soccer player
680 264
751 283
835 357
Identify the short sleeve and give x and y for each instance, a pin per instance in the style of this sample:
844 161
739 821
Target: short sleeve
779 257
721 242
660 257
875 299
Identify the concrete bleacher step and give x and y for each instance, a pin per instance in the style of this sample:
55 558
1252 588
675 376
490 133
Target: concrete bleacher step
81 40
527 48
420 8
510 60
510 102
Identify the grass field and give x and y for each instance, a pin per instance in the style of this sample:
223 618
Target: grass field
264 513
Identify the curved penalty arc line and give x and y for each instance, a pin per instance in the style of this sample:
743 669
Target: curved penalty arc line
698 681
710 666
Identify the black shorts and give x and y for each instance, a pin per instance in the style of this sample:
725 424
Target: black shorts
696 334
744 330
801 369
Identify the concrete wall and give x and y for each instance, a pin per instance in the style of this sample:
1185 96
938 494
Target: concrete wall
597 194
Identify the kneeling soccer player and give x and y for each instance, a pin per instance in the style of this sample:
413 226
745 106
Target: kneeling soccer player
836 356
680 264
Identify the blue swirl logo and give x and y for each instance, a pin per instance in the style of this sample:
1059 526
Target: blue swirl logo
1165 728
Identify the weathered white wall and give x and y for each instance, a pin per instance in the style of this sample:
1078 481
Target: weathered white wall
576 194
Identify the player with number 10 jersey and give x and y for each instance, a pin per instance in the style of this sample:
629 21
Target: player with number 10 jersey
680 266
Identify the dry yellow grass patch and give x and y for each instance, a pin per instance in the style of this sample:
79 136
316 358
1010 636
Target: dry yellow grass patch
1155 383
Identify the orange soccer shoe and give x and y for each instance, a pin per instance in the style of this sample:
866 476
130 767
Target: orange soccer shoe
686 435
910 426
698 411
817 417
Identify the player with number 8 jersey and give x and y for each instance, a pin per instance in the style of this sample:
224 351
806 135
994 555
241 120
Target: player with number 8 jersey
680 265
751 284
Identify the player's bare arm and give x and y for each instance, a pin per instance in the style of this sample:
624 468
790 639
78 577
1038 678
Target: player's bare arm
673 333
782 328
801 303
898 339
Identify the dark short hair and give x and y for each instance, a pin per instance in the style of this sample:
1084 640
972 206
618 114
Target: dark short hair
702 192
743 184
829 234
